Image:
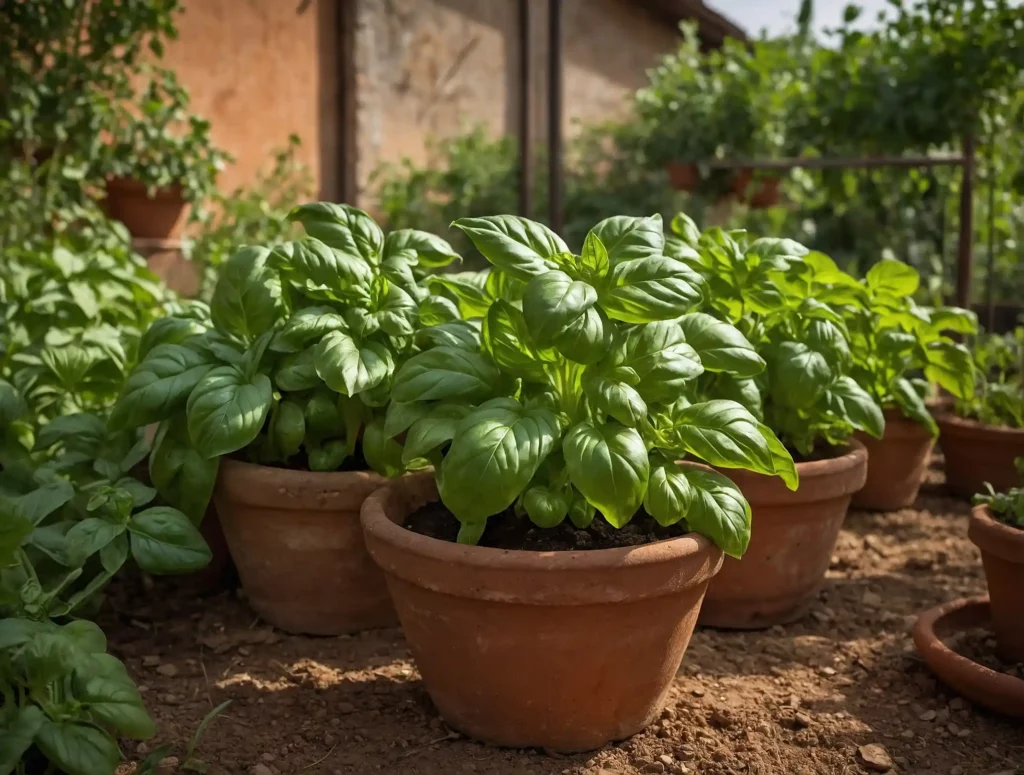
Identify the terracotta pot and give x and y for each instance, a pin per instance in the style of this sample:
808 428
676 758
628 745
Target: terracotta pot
998 691
146 217
977 453
768 194
1002 552
296 540
683 177
791 543
897 464
561 650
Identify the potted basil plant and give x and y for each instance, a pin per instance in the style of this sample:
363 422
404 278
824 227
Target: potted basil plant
559 533
774 291
892 338
984 431
275 404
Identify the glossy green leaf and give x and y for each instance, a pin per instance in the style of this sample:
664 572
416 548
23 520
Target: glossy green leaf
35 506
467 289
436 310
182 476
297 371
431 251
168 330
445 373
586 340
802 374
660 357
546 508
519 246
21 725
349 368
724 434
90 535
950 365
78 431
669 493
893 278
247 298
647 289
226 411
854 404
509 342
719 511
552 302
114 704
315 265
913 406
159 386
616 399
608 464
720 346
307 325
164 541
460 334
430 432
78 749
627 238
383 454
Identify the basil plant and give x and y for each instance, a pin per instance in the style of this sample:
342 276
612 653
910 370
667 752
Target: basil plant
787 301
998 398
577 398
293 361
892 339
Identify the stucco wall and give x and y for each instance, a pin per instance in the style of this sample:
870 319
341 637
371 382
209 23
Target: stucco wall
260 70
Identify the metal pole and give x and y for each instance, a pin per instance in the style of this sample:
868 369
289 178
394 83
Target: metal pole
990 275
963 255
555 179
525 122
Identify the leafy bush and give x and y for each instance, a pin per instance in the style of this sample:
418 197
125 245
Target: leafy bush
293 361
998 398
1006 506
577 395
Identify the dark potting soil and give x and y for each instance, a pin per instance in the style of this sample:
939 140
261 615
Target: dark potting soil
507 531
820 452
300 462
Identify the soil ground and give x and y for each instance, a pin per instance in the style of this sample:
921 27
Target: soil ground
813 698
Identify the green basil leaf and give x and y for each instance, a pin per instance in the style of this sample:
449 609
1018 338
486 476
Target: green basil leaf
851 402
648 289
297 371
114 554
164 541
553 301
14 529
168 330
627 238
431 251
719 511
78 749
467 289
782 460
445 373
247 299
913 406
587 338
950 365
546 508
496 451
460 334
88 537
307 325
430 432
35 506
182 476
350 369
955 319
12 404
81 431
516 245
327 456
317 266
383 454
347 229
683 227
225 412
720 346
608 464
799 374
70 364
669 493
509 343
399 417
158 387
616 399
19 731
724 434
893 278
435 310
289 429
660 357
595 259
743 390
114 704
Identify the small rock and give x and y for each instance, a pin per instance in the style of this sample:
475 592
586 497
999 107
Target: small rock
667 760
268 757
963 733
260 769
330 739
907 734
654 767
698 692
801 721
928 715
875 757
151 661
872 599
345 707
828 671
680 769
167 765
953 728
719 756
244 651
168 671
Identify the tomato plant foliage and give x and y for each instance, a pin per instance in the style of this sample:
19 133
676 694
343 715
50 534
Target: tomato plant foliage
578 397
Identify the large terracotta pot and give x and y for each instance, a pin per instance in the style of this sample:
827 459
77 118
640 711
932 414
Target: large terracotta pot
561 650
790 546
1002 552
897 464
146 217
683 177
977 453
296 540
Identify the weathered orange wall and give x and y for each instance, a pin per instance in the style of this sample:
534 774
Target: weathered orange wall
260 70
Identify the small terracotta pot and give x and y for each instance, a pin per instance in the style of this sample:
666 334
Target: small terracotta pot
146 217
998 691
977 453
1002 552
296 540
790 546
561 650
897 464
768 194
683 177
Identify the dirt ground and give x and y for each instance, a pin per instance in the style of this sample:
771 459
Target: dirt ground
818 697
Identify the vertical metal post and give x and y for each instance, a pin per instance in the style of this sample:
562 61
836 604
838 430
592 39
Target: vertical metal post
963 256
555 172
525 122
990 275
348 148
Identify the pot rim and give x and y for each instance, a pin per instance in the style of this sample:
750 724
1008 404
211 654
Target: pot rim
377 524
992 536
253 484
974 427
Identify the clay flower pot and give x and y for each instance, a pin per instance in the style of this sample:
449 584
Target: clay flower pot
790 546
561 650
683 177
296 541
977 453
1002 552
897 464
766 194
146 217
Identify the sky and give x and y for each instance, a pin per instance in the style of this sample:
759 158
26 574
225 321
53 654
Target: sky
780 15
